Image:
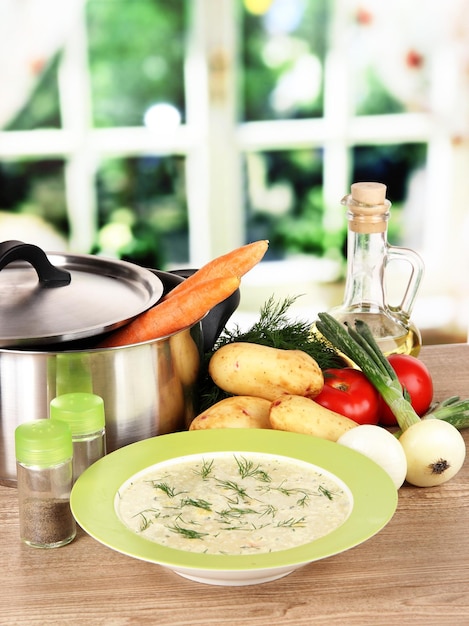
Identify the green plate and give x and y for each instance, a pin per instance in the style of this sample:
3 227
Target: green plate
93 502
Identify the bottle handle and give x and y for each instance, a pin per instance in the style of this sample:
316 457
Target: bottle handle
395 253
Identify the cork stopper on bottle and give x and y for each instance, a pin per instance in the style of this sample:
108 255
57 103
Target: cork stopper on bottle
369 193
368 209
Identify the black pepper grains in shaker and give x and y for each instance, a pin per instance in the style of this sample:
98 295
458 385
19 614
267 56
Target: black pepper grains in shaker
44 471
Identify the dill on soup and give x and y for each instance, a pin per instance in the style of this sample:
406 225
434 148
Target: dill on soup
233 503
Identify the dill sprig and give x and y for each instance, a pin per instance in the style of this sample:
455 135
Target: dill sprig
325 492
165 488
237 512
291 523
188 533
274 328
230 485
247 468
268 509
197 503
205 470
145 521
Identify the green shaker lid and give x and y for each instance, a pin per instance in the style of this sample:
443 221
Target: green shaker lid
43 443
83 412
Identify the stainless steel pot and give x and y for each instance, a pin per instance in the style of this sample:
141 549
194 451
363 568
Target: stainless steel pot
148 389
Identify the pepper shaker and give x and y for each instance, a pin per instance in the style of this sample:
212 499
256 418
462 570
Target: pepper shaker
44 470
84 413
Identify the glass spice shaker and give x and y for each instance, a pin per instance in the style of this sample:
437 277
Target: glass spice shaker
368 255
84 413
44 471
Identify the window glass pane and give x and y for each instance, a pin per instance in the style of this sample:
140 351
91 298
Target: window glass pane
33 194
41 109
136 56
283 50
285 203
390 55
397 166
284 45
143 211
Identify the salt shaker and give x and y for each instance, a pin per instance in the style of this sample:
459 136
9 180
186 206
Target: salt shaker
44 471
84 413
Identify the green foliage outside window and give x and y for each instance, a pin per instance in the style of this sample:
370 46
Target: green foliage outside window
136 58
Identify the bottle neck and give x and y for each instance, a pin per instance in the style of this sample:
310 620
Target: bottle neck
366 258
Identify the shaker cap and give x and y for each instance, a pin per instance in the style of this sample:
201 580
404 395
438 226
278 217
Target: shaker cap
43 443
83 412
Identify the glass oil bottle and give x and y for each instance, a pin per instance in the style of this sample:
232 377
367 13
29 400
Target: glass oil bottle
368 256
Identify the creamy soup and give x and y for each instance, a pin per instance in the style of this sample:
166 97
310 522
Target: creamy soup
226 503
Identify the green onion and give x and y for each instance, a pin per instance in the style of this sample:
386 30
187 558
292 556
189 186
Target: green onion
360 347
452 410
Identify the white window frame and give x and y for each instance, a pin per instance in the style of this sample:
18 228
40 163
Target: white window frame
214 142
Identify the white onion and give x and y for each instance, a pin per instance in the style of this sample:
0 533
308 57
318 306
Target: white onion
435 452
380 446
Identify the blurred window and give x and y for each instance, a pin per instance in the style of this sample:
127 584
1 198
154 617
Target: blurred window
178 130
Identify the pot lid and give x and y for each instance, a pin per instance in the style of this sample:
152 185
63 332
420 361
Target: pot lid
49 298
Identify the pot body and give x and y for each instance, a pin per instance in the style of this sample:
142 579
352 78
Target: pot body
148 389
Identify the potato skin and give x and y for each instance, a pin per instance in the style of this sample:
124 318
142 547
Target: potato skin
249 369
303 415
234 412
186 357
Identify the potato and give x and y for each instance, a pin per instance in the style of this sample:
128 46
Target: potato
303 415
185 355
249 369
234 412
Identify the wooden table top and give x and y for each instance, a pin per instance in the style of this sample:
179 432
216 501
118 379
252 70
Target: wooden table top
415 571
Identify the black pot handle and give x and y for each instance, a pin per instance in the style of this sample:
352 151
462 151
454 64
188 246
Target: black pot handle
48 274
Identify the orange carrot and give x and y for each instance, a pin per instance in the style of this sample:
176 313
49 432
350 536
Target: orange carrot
235 263
174 314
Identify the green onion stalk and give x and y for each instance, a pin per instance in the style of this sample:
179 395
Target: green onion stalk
359 345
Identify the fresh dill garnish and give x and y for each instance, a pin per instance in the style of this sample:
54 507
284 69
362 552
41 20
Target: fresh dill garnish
274 328
303 501
198 503
145 521
188 533
325 492
205 470
291 491
291 523
269 509
286 491
165 488
236 512
232 486
247 468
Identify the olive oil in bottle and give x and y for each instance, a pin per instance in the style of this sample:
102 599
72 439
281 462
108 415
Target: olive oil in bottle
368 255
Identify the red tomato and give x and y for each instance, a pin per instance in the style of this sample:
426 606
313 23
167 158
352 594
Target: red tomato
348 391
416 379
